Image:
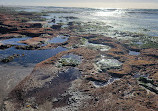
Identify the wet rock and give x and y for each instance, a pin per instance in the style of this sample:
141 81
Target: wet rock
33 32
71 23
89 37
149 84
72 42
145 80
10 58
98 77
5 46
57 27
71 17
146 30
53 21
6 29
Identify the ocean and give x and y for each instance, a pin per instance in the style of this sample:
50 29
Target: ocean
117 22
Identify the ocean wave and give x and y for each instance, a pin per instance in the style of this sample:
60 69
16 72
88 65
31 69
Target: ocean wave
143 11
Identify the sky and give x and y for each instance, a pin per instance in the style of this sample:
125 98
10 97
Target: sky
146 4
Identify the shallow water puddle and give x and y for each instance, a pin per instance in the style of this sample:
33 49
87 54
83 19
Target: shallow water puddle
30 56
59 39
14 41
139 75
139 43
134 53
56 87
100 47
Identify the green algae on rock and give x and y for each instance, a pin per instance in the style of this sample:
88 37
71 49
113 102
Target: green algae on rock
100 47
104 64
69 60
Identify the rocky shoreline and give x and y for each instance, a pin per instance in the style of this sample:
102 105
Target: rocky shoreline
95 73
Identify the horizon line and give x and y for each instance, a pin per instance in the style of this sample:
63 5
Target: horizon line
69 7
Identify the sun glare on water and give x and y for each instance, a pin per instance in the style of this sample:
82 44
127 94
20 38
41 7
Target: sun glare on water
110 13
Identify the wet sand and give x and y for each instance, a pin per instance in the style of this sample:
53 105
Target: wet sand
11 75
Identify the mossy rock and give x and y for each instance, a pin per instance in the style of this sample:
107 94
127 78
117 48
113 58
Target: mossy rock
69 62
150 44
105 64
83 41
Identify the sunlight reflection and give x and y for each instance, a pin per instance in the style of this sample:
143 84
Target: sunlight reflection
111 13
